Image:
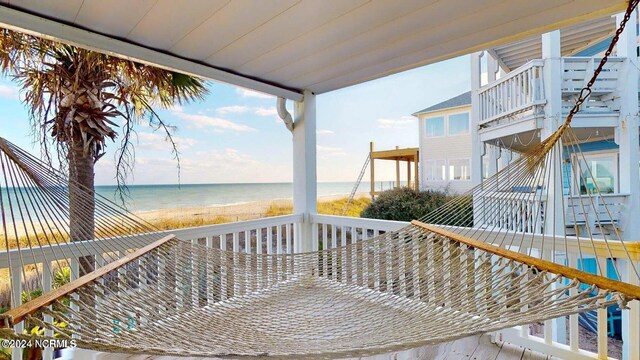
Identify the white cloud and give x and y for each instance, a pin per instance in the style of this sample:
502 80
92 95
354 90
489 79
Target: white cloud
226 165
266 111
325 132
176 108
250 93
201 121
9 92
232 109
401 122
330 151
157 141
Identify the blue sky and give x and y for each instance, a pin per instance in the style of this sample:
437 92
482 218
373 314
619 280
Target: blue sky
236 136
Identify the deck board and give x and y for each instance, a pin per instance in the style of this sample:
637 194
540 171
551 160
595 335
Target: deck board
477 347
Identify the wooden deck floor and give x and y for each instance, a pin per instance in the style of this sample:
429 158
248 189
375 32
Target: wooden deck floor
470 348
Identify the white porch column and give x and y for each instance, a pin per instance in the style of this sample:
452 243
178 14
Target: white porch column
492 68
505 158
553 221
477 148
304 170
493 154
627 138
627 131
552 73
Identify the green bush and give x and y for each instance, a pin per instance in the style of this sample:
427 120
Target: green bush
405 204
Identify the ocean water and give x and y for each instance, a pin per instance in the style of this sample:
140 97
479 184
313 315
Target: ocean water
24 205
155 197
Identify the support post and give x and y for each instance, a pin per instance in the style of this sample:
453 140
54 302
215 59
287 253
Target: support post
415 172
552 73
493 154
397 172
492 67
372 168
477 148
505 158
627 135
409 173
554 209
627 131
304 169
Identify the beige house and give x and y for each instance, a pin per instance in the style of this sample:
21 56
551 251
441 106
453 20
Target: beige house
445 145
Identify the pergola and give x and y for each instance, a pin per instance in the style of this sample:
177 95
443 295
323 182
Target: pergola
295 49
408 155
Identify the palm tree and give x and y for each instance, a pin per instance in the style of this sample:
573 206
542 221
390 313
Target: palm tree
74 97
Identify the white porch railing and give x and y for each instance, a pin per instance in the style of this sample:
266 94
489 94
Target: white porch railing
518 91
576 73
276 236
512 211
335 231
523 89
273 235
565 344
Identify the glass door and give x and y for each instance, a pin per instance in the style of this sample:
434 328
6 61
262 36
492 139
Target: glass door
595 172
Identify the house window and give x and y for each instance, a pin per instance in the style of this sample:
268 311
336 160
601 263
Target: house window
596 172
459 124
435 170
435 126
459 170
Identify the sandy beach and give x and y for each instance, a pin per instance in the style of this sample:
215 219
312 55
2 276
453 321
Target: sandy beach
231 212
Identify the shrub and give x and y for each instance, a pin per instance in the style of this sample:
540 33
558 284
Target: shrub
405 204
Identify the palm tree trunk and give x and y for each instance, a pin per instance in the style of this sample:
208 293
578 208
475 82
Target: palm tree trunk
81 199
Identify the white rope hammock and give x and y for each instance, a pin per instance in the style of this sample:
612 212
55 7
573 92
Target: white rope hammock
422 284
467 268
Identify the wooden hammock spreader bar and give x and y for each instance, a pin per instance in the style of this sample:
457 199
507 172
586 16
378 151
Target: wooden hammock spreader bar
17 314
601 282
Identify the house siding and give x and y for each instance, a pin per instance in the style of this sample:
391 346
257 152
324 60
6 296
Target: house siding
448 147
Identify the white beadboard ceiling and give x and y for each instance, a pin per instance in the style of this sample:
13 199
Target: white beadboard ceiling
283 47
573 38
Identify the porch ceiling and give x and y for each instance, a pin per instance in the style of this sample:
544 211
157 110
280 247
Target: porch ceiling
283 46
573 38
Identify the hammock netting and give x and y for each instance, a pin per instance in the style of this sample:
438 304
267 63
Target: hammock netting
426 283
495 257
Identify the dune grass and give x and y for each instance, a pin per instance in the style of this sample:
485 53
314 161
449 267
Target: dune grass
333 207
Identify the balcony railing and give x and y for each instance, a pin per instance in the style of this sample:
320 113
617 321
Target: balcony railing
277 235
576 73
522 90
511 211
518 91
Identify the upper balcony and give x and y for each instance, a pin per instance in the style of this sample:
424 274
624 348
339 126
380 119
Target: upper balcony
515 103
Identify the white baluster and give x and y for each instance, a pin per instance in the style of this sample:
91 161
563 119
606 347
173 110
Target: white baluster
16 292
270 263
224 274
47 287
602 318
325 248
574 329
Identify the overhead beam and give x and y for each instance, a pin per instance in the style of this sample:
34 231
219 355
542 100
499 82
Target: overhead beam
39 26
